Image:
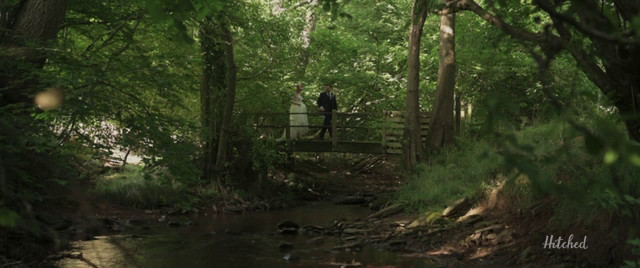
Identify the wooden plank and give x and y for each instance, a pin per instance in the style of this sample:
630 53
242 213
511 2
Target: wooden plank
401 114
312 146
394 133
359 147
396 119
401 120
393 145
341 146
392 138
394 151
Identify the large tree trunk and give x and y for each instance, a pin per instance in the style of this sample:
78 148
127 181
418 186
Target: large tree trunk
232 71
214 83
441 131
414 139
37 21
310 26
33 23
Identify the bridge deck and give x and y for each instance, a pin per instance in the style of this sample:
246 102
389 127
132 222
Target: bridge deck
370 147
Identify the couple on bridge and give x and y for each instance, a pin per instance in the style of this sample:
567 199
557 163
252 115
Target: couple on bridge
298 120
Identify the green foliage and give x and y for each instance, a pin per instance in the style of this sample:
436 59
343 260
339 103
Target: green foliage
129 86
365 57
31 164
635 243
178 12
464 172
8 218
145 188
552 159
253 157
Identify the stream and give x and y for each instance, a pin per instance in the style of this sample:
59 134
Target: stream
237 240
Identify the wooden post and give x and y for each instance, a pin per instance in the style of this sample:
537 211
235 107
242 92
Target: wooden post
334 129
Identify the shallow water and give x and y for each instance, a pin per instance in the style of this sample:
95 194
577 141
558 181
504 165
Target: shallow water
247 240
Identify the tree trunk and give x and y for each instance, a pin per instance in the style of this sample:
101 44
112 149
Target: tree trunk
34 23
37 21
418 17
211 92
310 26
232 71
441 131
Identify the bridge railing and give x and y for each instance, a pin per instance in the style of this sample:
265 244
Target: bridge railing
345 126
381 132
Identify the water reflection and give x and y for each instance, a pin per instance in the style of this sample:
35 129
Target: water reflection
236 241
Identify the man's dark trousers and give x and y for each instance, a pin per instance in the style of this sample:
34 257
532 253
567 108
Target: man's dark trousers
327 102
326 125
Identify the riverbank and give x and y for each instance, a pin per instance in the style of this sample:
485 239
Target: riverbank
381 225
360 213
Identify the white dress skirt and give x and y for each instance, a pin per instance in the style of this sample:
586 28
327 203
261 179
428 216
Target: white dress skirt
299 122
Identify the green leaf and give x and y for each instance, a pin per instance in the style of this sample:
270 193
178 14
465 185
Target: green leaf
327 6
635 24
345 15
635 159
8 218
610 157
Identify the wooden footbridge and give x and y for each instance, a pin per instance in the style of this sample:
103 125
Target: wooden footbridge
373 133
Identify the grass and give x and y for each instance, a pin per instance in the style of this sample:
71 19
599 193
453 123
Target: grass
134 187
467 172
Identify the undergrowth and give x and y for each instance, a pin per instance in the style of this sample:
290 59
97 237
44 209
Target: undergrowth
148 189
594 191
464 172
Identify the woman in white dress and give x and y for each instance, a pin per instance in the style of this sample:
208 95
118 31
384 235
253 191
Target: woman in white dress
298 118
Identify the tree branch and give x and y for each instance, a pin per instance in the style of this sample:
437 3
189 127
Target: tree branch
589 66
457 5
585 63
584 28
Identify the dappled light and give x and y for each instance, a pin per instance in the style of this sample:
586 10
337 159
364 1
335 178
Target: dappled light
50 99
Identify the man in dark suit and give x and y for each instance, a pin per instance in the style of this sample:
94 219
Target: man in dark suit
327 103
